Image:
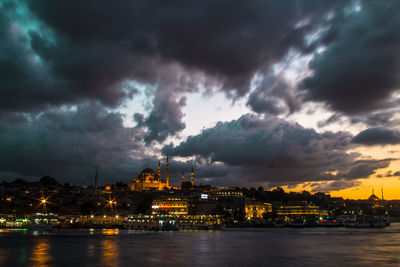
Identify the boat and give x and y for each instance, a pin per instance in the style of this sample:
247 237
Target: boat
387 220
297 223
379 222
362 222
40 226
166 226
330 222
43 221
311 222
278 223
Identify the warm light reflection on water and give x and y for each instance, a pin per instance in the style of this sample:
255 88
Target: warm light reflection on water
110 253
40 253
110 231
233 247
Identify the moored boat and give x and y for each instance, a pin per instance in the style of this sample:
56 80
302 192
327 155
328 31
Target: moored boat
279 223
297 223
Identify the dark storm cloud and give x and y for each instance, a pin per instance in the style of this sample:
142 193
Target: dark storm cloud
274 150
96 46
22 79
70 144
166 116
377 136
230 39
359 69
376 119
164 120
389 174
273 96
38 71
333 185
95 49
364 168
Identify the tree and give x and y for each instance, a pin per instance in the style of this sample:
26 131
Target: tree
145 205
48 181
88 207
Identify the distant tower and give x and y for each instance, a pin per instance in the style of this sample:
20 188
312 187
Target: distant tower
159 171
382 192
373 193
96 192
192 177
95 183
167 177
183 177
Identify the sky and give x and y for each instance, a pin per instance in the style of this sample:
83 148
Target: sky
302 94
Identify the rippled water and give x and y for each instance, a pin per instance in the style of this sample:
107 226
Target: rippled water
239 247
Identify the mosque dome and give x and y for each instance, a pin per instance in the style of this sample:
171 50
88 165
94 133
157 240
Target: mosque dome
147 174
373 197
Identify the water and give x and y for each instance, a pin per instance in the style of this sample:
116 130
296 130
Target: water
239 247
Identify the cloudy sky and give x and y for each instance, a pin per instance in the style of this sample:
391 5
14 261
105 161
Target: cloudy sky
299 94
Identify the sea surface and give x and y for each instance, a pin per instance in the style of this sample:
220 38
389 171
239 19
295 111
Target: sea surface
233 247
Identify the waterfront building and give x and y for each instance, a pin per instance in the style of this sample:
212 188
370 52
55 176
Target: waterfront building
170 205
303 210
256 210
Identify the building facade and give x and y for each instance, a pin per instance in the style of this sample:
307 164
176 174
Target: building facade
256 210
304 210
170 205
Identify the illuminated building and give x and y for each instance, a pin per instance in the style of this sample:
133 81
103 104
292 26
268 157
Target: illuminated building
148 180
167 174
255 210
375 201
171 205
301 211
192 177
158 170
226 192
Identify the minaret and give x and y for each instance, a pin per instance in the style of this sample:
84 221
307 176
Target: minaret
192 177
95 183
382 193
183 177
159 171
373 193
167 177
96 192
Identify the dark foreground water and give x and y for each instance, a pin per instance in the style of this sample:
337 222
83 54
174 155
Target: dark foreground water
239 247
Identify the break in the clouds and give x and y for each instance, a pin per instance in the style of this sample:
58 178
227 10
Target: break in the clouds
274 150
275 56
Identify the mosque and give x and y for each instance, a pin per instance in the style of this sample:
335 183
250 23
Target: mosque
150 180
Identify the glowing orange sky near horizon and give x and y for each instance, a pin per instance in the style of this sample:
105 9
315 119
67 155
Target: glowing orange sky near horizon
390 185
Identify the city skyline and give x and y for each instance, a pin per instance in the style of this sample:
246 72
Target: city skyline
304 95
